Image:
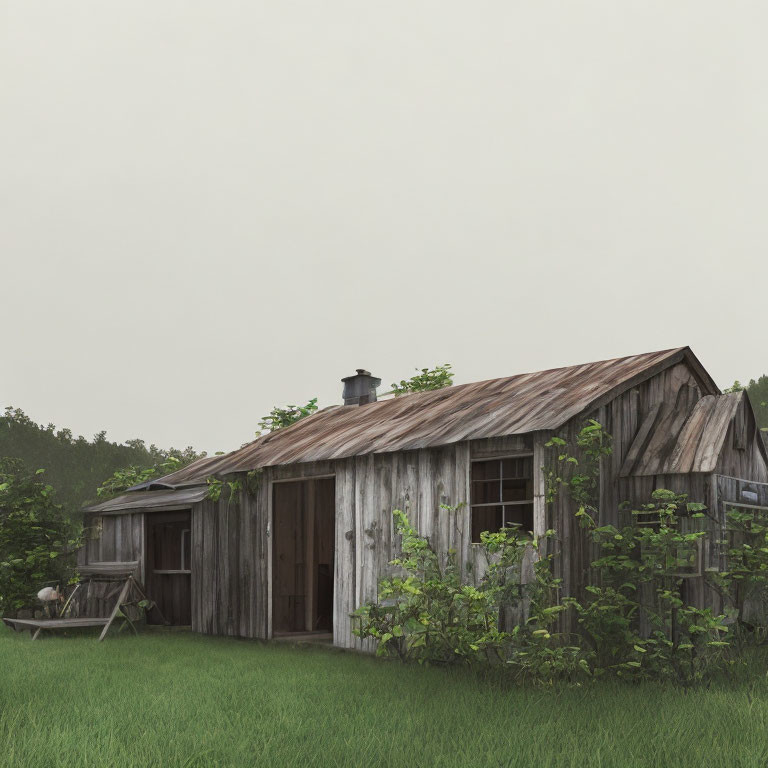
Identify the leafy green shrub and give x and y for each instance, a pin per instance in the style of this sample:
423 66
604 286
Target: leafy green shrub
36 545
428 615
278 418
747 548
633 621
425 380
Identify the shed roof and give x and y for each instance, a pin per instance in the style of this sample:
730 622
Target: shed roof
155 500
669 442
513 405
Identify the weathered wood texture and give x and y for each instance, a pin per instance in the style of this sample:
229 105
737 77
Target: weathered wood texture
368 488
228 566
419 483
655 426
231 542
121 540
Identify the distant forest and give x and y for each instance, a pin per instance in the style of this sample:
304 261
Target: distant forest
74 466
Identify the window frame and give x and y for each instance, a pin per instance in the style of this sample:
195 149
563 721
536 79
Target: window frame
526 502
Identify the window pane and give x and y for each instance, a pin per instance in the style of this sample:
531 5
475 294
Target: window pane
516 490
485 492
518 467
520 514
486 470
485 519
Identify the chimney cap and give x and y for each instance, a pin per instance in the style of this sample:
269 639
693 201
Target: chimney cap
359 372
360 388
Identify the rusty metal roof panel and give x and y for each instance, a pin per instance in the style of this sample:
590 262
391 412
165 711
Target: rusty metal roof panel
513 405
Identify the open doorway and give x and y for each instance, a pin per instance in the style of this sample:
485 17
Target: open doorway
303 522
168 567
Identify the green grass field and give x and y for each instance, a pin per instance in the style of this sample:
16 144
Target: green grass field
177 699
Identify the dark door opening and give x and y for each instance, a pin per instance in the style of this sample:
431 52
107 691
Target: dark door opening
303 522
168 567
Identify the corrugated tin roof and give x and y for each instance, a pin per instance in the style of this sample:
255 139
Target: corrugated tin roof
674 441
163 499
508 406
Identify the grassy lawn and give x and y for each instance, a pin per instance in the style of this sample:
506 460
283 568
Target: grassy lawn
177 699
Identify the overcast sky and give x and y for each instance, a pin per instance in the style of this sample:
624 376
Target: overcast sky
209 208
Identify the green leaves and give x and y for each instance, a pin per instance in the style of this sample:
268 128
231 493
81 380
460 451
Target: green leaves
125 478
36 545
425 380
427 614
216 487
278 418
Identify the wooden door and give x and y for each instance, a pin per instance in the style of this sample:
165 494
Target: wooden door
302 556
169 570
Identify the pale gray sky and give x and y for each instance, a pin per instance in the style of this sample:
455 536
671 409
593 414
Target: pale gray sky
208 208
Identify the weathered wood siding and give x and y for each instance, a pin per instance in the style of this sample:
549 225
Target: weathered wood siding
121 540
229 555
368 488
231 543
742 455
623 418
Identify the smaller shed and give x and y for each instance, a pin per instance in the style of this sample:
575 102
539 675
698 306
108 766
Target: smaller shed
152 528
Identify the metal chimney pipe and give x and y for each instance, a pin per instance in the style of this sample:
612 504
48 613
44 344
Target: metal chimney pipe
360 388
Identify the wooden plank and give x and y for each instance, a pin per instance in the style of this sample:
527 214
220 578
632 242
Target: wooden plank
247 556
137 524
59 623
208 600
120 545
232 580
539 483
107 551
680 459
640 442
261 578
114 569
196 566
709 450
364 538
345 588
498 446
116 609
462 490
309 556
425 514
384 471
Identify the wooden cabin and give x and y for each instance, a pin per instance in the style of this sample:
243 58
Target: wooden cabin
307 533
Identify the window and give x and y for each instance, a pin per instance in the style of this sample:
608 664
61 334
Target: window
502 494
171 547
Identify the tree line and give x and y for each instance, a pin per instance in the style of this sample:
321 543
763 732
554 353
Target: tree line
76 466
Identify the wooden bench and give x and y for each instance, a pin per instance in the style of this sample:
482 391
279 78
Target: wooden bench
121 574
